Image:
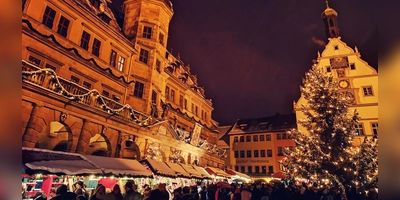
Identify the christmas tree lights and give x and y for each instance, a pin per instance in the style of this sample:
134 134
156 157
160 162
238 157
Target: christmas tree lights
326 154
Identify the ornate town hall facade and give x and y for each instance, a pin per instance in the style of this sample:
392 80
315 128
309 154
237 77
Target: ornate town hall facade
98 79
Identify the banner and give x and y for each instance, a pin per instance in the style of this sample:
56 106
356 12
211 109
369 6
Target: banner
196 134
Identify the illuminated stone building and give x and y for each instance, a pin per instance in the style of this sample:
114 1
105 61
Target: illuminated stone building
357 78
98 79
256 145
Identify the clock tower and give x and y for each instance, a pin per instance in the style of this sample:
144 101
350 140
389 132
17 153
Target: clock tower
329 16
356 78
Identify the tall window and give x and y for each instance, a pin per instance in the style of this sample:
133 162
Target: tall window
173 95
192 107
121 63
359 129
154 97
147 32
255 138
280 151
284 136
196 111
257 169
248 153
113 58
262 152
48 17
138 92
181 101
262 138
242 169
158 66
236 154
144 56
167 92
278 136
367 91
242 154
250 169
268 137
235 139
95 3
264 169
328 68
255 153
271 169
237 168
248 138
241 139
185 104
85 40
96 47
63 25
269 153
161 38
375 128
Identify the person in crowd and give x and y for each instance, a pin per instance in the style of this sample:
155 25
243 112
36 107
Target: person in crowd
237 193
203 193
177 194
147 193
195 192
109 196
52 193
246 194
131 194
117 192
99 192
256 194
186 193
61 193
80 194
39 196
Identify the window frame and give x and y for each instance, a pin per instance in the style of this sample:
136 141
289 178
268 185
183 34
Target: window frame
147 34
45 21
365 89
255 138
121 65
144 58
269 155
236 154
268 137
241 155
262 138
256 153
262 153
85 40
63 28
357 128
374 128
136 91
96 47
248 153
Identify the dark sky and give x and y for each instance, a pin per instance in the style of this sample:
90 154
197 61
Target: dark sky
250 55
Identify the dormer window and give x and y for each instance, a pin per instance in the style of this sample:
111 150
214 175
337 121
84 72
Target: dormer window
95 3
243 126
105 18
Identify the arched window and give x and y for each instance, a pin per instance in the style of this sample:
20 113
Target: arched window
331 22
62 146
333 33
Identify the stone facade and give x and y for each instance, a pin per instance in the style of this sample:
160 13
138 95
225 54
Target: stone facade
88 86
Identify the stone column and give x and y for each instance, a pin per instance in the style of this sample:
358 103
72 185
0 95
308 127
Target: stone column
34 126
84 137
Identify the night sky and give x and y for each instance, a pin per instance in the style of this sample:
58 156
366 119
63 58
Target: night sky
250 55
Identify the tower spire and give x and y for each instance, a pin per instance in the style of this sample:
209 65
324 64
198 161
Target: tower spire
329 16
327 3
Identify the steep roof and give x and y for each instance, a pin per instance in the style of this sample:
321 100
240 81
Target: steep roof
265 124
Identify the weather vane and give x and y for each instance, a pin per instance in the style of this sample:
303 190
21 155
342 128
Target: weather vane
327 4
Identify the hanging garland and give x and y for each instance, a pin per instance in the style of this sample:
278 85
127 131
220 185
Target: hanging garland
59 89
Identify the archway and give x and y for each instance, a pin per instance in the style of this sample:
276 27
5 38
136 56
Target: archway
100 152
99 144
61 146
132 152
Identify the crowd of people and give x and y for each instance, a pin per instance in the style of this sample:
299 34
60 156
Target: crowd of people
225 191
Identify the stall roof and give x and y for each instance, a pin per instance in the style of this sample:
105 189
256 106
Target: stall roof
119 166
67 167
178 169
202 171
233 172
216 171
57 162
158 167
192 171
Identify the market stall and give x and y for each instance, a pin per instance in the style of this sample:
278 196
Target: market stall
218 174
238 177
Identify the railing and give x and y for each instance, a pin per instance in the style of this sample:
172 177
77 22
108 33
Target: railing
47 79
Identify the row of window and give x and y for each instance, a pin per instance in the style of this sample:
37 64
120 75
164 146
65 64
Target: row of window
257 169
87 42
260 153
183 102
360 129
260 138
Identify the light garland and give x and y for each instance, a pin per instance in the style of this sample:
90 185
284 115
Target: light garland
56 87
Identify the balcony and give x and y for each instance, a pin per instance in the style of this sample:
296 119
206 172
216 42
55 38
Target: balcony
48 80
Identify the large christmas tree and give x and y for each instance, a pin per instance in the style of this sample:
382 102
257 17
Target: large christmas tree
367 163
325 154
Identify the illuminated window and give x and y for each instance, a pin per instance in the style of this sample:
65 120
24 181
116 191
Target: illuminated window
121 63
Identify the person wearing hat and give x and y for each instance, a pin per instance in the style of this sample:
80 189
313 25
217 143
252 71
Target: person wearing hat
131 194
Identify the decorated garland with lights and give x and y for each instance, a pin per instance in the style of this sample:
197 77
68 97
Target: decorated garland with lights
367 163
326 154
57 87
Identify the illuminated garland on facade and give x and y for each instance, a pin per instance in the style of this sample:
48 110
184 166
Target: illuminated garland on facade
38 76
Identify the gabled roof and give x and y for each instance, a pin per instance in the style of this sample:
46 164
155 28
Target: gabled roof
266 124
